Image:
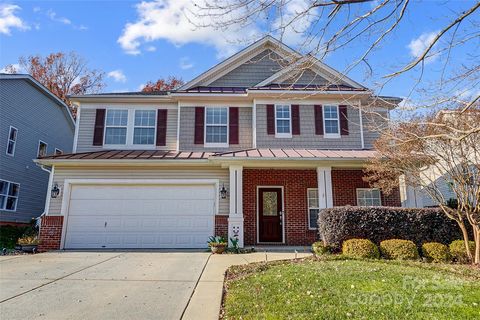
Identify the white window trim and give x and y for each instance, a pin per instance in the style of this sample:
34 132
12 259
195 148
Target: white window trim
56 149
17 196
130 130
154 127
368 189
283 135
214 144
309 208
331 135
38 148
14 141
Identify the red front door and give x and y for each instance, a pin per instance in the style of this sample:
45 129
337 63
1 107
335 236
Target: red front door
270 214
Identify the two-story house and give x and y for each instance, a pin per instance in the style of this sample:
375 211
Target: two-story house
33 123
241 150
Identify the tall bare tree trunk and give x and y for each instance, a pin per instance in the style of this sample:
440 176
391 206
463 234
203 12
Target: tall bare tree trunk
476 236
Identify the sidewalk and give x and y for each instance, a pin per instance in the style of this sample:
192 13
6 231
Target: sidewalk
207 297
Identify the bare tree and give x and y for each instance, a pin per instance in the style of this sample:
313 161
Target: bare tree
432 152
63 74
362 27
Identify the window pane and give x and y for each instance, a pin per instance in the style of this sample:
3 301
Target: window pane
117 117
11 203
331 126
115 135
331 112
13 190
369 197
143 136
145 118
313 218
13 134
283 126
3 201
3 187
42 149
270 203
10 147
283 112
217 134
217 116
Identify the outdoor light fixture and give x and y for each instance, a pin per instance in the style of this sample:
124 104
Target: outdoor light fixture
223 192
55 190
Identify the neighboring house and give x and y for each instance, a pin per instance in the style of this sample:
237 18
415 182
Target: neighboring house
33 123
241 150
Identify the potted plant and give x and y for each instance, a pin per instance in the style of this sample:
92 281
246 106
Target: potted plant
217 244
28 243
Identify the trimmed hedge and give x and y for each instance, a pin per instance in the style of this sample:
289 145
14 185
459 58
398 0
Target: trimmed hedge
459 252
381 223
399 249
435 252
360 248
320 248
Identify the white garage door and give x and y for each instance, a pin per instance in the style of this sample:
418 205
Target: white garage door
145 216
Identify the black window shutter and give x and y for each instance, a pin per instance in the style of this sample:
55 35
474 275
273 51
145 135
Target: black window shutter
99 127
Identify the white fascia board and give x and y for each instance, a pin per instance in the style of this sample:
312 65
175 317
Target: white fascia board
207 94
121 98
307 92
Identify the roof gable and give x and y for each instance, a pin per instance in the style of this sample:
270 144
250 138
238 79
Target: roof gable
242 57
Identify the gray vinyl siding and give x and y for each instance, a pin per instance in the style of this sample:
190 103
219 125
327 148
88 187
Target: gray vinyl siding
37 117
307 137
187 132
306 77
253 71
131 172
372 125
87 126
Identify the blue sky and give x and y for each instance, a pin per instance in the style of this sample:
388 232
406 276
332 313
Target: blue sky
135 42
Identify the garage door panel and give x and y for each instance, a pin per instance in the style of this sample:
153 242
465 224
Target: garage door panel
122 216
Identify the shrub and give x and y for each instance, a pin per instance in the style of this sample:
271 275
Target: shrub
399 249
435 252
320 248
9 235
381 223
459 252
360 248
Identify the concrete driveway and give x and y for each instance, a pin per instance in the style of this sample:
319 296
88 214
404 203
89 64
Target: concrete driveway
99 285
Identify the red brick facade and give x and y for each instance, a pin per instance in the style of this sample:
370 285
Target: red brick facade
345 184
221 226
50 233
295 184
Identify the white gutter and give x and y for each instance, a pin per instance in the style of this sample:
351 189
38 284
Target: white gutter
208 94
152 162
49 190
310 92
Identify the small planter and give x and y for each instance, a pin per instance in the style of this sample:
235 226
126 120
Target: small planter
218 248
31 248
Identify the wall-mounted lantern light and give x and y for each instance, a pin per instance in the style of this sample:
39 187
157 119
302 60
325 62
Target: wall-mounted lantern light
55 191
223 192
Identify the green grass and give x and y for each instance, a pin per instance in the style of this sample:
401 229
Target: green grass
352 289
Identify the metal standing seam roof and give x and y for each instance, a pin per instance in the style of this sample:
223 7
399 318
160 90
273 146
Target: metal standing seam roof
262 153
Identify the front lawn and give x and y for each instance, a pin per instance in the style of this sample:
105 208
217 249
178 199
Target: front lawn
352 289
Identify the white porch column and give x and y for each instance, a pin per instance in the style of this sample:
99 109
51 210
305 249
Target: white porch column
325 192
235 218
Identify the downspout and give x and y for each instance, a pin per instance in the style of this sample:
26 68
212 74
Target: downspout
49 190
361 125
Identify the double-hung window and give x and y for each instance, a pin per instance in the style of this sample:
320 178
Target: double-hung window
42 149
283 121
12 140
216 127
116 127
368 197
8 195
313 208
331 121
144 127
